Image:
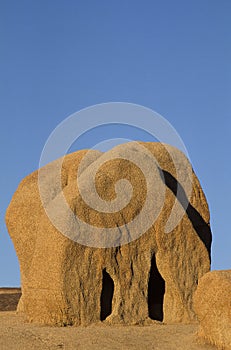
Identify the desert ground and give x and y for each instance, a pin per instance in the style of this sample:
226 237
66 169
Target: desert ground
16 334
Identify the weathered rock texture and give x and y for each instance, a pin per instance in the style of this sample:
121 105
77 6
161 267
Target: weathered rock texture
212 303
152 277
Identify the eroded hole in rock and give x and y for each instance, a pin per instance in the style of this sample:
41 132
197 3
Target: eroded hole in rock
106 295
156 290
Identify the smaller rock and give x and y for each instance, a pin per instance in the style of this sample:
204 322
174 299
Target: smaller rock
212 304
9 298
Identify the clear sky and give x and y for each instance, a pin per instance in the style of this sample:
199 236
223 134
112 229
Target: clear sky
171 56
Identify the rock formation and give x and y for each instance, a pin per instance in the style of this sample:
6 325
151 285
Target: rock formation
212 303
132 274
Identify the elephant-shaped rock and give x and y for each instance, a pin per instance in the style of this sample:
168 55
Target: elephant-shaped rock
120 237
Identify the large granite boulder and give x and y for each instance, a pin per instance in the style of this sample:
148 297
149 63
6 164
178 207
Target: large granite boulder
212 303
84 261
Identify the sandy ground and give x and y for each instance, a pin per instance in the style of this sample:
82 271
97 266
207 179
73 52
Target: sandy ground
15 334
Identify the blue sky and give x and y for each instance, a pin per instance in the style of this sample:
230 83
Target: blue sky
58 57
